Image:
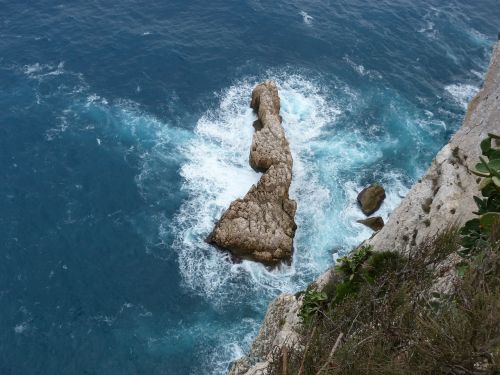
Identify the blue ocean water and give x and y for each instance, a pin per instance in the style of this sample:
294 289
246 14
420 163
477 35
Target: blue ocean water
125 131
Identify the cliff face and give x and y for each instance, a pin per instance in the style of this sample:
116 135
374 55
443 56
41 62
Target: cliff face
261 226
443 197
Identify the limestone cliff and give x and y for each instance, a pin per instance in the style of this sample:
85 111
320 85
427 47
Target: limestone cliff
261 226
441 198
444 194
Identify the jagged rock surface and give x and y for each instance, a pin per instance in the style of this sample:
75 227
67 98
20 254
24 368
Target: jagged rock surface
442 197
280 328
261 226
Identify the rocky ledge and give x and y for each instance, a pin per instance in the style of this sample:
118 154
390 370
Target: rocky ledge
261 226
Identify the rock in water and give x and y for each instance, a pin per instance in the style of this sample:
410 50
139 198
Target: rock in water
375 223
371 198
261 226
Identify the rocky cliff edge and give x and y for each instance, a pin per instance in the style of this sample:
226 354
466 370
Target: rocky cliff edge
442 197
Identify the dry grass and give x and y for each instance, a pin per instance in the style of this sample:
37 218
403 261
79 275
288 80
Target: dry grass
392 324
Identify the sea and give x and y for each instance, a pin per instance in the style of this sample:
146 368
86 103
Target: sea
125 131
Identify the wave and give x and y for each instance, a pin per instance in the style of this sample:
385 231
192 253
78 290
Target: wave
462 93
306 18
361 70
38 70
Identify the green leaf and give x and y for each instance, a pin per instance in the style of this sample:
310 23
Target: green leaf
480 203
493 203
494 136
483 168
462 268
473 224
486 145
489 190
490 169
488 219
494 154
496 181
484 183
479 173
494 164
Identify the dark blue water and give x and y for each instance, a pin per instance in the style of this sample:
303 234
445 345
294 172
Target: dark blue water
125 131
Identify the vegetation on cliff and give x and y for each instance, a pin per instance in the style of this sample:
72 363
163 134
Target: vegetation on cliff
434 311
392 322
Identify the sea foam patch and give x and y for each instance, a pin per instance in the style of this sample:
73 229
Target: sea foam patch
306 18
462 93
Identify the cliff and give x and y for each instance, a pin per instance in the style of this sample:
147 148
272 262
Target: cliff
443 197
444 194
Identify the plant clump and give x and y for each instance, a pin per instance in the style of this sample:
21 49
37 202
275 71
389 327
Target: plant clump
480 231
391 323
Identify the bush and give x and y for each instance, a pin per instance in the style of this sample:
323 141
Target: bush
479 232
392 324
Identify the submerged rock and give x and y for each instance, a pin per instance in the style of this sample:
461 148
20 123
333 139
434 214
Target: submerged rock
261 225
371 198
376 223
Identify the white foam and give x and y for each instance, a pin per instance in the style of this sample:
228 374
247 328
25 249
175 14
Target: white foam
68 84
216 173
428 29
306 112
428 26
361 70
38 71
25 325
479 75
478 37
21 327
306 18
234 346
430 124
462 93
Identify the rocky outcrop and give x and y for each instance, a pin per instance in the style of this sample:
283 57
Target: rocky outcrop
280 329
442 197
375 223
261 226
370 199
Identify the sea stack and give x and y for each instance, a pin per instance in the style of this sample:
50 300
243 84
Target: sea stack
261 225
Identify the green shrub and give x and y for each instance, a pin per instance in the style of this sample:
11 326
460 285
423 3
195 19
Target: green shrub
312 303
362 266
478 232
391 325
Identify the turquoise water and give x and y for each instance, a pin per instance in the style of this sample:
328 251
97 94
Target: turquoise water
125 131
